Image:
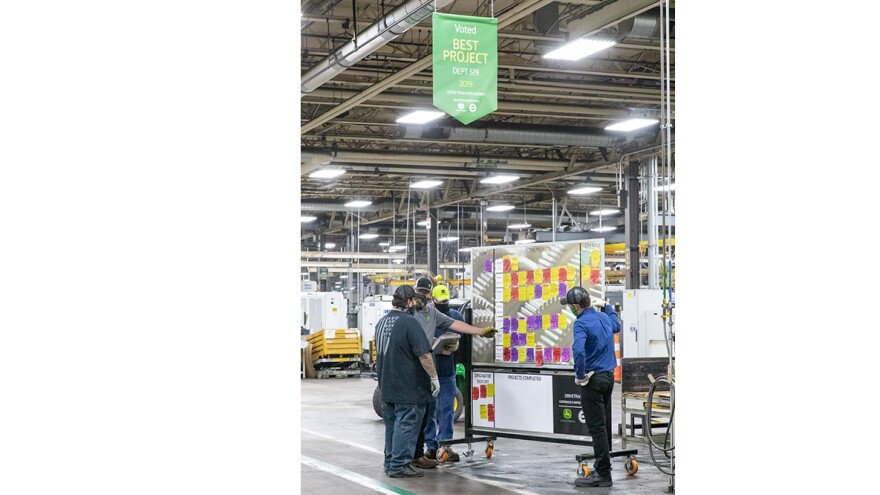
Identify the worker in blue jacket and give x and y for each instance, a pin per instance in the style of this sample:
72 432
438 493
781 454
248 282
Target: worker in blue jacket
594 363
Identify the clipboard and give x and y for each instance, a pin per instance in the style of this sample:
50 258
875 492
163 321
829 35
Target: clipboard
444 340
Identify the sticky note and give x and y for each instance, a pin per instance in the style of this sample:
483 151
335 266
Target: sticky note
530 292
548 354
557 354
505 295
530 355
539 292
491 408
563 273
475 393
487 266
505 339
506 354
530 277
554 321
539 357
554 275
505 264
514 293
522 355
545 292
553 290
523 293
522 276
514 354
490 390
514 278
545 275
566 354
563 321
571 273
538 276
545 322
563 289
594 276
521 325
505 325
506 280
484 411
595 258
514 264
530 339
483 391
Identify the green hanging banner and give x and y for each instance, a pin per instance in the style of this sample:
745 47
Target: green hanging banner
465 65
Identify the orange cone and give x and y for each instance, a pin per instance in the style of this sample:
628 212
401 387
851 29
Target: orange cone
617 370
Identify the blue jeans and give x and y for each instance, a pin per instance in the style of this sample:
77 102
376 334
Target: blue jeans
402 424
446 407
427 438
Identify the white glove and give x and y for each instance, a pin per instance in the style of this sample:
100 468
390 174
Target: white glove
598 303
583 381
435 387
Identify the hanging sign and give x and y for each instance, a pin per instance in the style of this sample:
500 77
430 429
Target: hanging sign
465 65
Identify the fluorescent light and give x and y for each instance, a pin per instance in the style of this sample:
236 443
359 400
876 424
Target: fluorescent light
384 244
519 225
358 203
368 236
499 179
397 248
327 173
670 187
500 208
579 49
606 228
585 190
307 219
420 117
423 223
426 184
449 239
604 212
631 124
329 245
524 241
465 250
397 261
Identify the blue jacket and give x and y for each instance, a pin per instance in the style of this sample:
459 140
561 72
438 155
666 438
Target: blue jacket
593 346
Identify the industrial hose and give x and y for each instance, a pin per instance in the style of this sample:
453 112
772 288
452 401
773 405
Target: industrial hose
666 449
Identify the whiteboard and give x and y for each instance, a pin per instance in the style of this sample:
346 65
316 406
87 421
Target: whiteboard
524 402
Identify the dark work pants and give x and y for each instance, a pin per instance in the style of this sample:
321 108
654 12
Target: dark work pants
430 411
596 401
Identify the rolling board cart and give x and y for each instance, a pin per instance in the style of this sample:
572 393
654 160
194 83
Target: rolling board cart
521 382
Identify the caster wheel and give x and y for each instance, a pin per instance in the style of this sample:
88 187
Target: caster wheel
631 466
489 449
583 471
443 456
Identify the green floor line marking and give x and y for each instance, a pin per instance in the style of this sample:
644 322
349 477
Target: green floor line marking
355 477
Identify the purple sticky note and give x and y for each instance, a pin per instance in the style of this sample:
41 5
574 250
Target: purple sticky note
548 354
487 266
514 339
562 289
539 292
566 354
530 324
554 321
530 354
514 354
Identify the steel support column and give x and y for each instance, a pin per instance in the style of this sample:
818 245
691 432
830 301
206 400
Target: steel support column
632 226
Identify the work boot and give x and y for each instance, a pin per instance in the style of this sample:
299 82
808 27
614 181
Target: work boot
407 472
425 463
593 480
452 456
431 454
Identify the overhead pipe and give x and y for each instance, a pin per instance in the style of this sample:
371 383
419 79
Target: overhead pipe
397 22
548 135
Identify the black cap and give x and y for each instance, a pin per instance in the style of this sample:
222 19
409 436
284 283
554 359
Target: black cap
424 284
579 296
404 292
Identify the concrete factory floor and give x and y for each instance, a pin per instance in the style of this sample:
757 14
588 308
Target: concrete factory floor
342 443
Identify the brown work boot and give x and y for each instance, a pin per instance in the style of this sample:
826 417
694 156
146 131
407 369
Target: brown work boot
425 463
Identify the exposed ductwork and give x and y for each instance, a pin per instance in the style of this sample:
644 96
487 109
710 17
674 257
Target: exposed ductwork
397 22
554 136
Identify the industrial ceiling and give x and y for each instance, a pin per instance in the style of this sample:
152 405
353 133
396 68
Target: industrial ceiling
366 63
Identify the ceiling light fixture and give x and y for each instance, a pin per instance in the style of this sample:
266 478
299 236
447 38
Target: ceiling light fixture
596 213
368 236
329 245
397 248
631 125
607 228
524 241
499 179
307 219
664 188
358 203
584 190
500 208
423 223
384 244
519 226
420 117
579 49
465 250
327 173
426 184
397 261
451 238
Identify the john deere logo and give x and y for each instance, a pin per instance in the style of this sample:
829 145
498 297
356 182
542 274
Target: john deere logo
566 413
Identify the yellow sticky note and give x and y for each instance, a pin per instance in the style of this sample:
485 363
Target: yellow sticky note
506 295
531 290
570 272
554 275
490 390
521 276
507 280
545 322
545 292
521 325
506 340
484 411
595 258
530 339
563 321
539 276
553 290
522 355
523 293
514 264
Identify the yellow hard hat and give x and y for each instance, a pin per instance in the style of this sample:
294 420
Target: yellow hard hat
440 293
